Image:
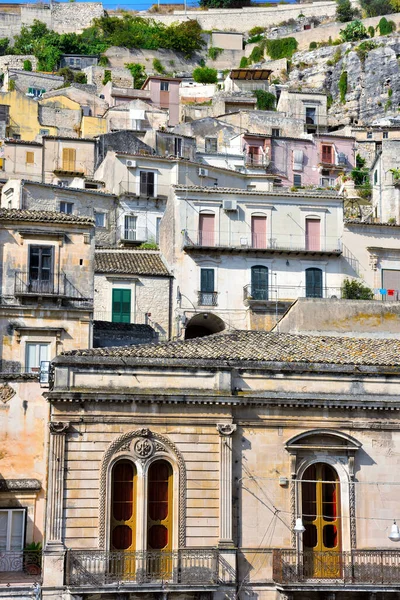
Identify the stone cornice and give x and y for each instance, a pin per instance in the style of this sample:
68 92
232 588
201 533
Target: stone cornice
20 485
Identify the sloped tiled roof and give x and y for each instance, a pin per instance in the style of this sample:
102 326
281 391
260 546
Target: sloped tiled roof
307 194
42 216
130 262
262 346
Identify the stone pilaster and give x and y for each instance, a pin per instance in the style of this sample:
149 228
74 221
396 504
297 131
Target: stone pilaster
54 550
225 480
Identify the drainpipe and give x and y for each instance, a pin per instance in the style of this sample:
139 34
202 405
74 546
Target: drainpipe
170 309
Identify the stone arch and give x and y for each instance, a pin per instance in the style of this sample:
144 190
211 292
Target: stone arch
203 324
147 443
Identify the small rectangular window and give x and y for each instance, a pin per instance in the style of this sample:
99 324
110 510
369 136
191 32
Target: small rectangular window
311 115
66 207
211 144
178 146
327 154
275 132
130 228
297 180
164 86
35 354
385 135
44 131
147 183
100 219
30 158
369 135
68 159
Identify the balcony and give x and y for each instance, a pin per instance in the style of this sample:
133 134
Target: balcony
153 569
58 285
20 567
355 568
284 293
207 299
134 235
260 161
244 242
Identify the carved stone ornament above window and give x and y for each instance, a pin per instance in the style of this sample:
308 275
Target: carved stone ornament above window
142 444
58 427
6 393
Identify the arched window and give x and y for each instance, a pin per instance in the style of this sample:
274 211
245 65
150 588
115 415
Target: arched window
159 503
321 517
259 282
313 283
123 505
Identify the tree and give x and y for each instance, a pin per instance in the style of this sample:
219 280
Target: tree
385 27
205 75
344 11
353 32
138 73
27 65
374 8
355 290
265 100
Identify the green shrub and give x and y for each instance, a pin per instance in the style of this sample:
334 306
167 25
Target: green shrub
107 77
67 73
202 62
244 63
157 66
27 65
213 53
374 8
390 92
344 11
388 105
80 77
343 87
138 73
329 101
257 54
355 290
385 27
337 56
205 75
4 46
11 85
282 48
265 100
353 32
313 46
363 49
254 39
256 30
103 61
371 31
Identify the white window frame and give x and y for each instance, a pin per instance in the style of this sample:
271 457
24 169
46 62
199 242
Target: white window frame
134 229
10 512
142 170
36 369
66 203
164 86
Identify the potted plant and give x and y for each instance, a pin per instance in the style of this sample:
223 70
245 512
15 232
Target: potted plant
33 558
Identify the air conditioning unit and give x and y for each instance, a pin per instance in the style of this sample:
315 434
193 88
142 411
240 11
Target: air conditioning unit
131 163
244 241
203 172
229 205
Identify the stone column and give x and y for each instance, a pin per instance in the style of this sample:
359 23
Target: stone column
54 550
225 484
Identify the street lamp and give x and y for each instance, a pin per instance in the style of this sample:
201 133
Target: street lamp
394 534
299 527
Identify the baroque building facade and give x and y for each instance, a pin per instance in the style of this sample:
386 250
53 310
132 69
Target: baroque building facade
247 464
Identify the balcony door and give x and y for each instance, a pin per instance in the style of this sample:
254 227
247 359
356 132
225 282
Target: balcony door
41 269
259 232
314 283
207 287
159 519
121 305
321 518
313 234
206 229
259 283
130 228
12 524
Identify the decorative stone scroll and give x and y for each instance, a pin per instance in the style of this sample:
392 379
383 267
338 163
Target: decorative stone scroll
142 444
6 393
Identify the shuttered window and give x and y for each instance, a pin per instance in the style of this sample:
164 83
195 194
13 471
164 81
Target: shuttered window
30 158
121 306
68 159
259 283
327 154
313 283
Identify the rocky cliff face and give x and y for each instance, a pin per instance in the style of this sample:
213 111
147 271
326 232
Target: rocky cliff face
373 78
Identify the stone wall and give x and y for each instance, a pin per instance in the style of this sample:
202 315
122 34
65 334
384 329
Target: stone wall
122 334
120 77
245 19
12 61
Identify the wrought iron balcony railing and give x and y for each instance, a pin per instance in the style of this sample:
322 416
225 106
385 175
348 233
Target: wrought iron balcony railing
256 160
207 298
248 240
57 284
358 567
181 567
20 566
287 292
134 234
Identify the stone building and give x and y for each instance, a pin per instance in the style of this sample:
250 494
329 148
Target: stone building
243 464
46 279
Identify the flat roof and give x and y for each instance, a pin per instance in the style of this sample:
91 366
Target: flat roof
250 74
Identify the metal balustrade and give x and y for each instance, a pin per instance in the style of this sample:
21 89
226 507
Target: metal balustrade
181 567
288 292
359 567
20 566
57 284
207 298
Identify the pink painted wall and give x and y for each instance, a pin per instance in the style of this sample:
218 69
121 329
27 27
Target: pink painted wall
168 99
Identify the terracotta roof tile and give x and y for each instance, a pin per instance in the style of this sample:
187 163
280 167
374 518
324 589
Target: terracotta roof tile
130 262
262 346
42 216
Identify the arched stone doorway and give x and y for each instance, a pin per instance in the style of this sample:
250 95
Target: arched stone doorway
203 324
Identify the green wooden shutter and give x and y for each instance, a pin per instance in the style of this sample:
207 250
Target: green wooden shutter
259 283
207 280
121 306
313 283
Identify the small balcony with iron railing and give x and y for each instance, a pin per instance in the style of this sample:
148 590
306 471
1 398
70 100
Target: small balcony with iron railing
134 235
56 285
360 568
249 241
256 161
207 298
286 293
20 567
179 569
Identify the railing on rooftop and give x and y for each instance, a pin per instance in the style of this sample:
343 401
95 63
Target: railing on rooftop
253 241
287 293
188 567
20 566
368 567
57 284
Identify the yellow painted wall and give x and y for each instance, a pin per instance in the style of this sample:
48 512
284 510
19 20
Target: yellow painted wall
24 115
92 126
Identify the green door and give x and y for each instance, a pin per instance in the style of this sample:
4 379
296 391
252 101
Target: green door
313 283
121 306
259 283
